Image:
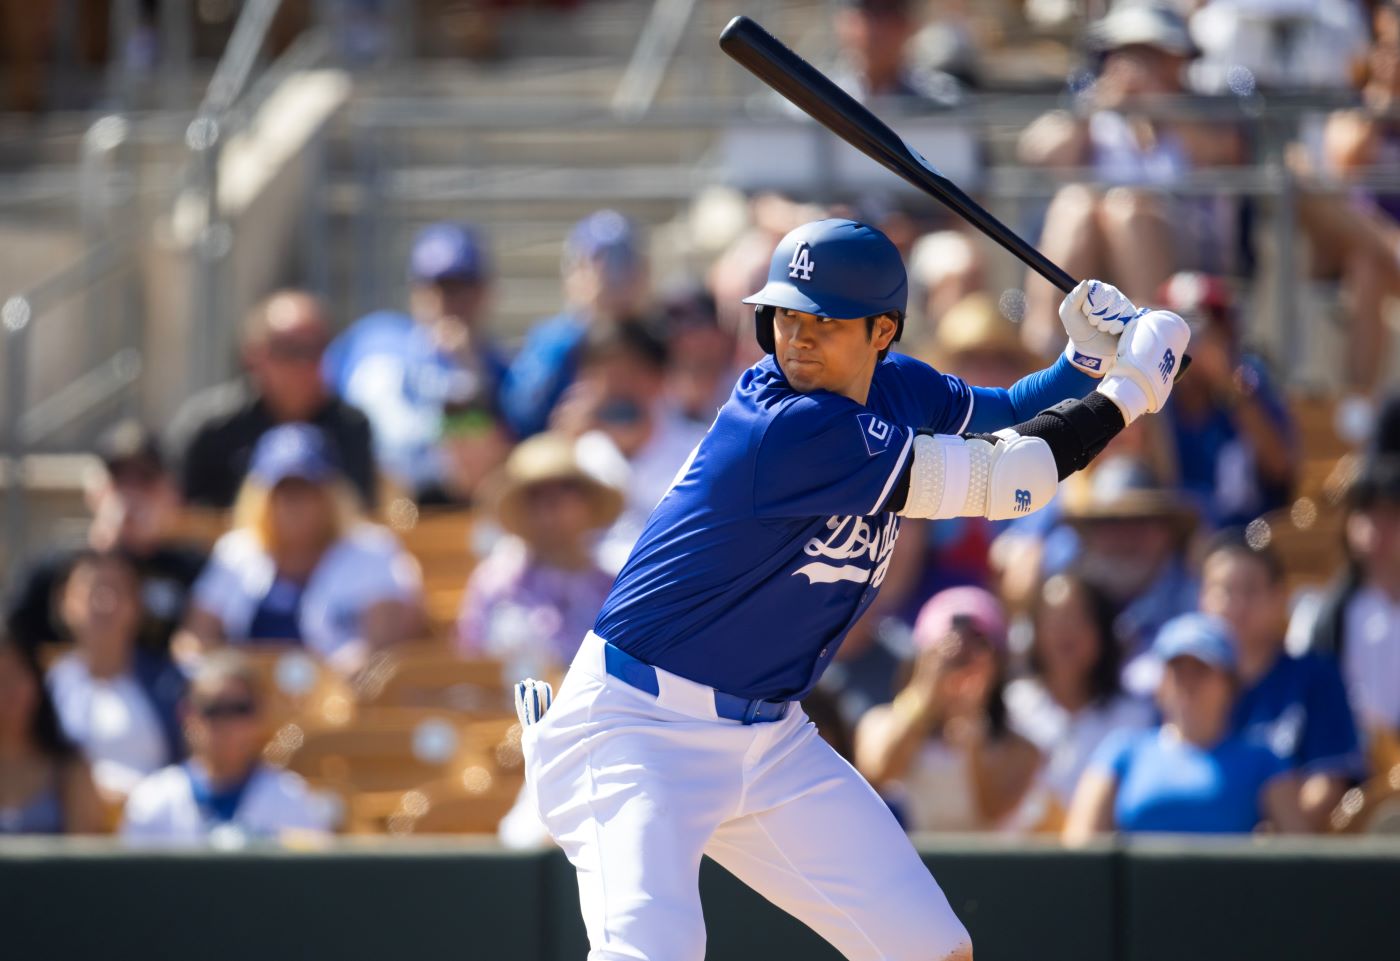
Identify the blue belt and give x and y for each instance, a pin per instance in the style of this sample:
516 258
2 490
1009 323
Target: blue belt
642 676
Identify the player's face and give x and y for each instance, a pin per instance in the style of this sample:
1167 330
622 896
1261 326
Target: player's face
823 353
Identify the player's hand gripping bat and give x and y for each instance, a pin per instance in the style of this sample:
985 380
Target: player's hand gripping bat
808 88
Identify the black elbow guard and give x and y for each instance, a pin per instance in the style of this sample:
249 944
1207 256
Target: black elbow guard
1076 431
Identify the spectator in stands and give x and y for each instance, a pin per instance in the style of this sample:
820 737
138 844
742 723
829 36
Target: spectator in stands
1235 449
874 64
700 356
135 504
942 751
629 430
1132 535
1295 706
407 370
215 432
1191 775
1278 45
945 267
535 596
473 441
605 283
223 794
1354 236
1131 232
1359 620
1072 699
45 785
118 703
301 566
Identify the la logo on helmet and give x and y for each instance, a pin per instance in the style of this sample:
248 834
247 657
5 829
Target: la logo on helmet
801 265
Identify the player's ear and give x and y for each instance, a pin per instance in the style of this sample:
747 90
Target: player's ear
882 330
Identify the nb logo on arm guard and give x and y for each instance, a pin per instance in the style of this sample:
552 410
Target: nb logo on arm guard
1023 501
801 265
1167 365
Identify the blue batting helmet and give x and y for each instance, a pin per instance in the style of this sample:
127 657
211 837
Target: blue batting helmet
832 268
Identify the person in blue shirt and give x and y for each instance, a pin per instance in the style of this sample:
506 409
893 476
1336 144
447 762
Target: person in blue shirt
1232 433
1192 774
1295 706
605 283
404 369
677 731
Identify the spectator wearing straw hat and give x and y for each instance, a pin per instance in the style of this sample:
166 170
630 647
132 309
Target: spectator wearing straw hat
535 596
1132 537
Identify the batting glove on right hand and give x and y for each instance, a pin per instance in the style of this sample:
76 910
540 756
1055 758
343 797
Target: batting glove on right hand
1149 356
1094 314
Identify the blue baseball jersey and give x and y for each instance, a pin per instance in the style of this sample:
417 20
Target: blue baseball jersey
773 540
1299 710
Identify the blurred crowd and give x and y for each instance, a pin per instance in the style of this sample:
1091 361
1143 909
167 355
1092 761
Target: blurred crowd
1149 653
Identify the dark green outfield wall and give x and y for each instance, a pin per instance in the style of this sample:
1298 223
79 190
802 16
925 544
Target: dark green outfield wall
1151 901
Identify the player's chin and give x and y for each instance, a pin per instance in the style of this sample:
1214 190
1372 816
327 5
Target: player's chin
802 374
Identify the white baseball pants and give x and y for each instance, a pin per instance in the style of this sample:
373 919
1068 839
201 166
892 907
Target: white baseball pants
636 788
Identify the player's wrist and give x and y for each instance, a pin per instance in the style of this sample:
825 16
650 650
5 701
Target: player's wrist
1085 358
1127 395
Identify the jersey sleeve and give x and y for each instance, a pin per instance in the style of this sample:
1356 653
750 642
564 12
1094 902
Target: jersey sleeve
943 402
1329 743
825 454
1114 754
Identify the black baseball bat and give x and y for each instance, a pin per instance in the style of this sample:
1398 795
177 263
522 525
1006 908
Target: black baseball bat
807 87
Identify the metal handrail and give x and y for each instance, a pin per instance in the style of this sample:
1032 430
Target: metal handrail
657 44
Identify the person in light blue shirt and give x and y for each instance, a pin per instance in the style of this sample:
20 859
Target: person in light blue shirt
405 369
1193 774
1295 705
605 282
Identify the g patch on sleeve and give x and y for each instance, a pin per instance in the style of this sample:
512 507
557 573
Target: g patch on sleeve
875 432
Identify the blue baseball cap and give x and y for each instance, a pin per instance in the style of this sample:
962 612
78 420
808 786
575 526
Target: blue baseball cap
292 450
605 236
835 268
1202 636
447 251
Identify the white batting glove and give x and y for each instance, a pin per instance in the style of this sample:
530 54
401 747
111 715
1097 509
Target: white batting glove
1094 314
532 699
1149 356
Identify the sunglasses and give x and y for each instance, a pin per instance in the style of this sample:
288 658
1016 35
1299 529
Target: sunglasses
224 710
295 351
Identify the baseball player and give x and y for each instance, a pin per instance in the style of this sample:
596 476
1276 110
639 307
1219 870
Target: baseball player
677 731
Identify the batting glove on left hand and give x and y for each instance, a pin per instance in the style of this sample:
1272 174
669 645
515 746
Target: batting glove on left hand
1094 314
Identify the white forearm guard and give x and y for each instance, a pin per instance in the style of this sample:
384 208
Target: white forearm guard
968 477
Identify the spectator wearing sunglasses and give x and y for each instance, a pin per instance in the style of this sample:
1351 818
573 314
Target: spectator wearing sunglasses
223 794
535 596
215 432
301 565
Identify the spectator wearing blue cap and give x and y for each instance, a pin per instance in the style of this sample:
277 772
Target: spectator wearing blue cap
1192 774
1295 705
301 566
406 369
605 284
214 433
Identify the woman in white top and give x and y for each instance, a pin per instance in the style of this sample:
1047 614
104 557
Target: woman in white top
941 752
301 566
1072 698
